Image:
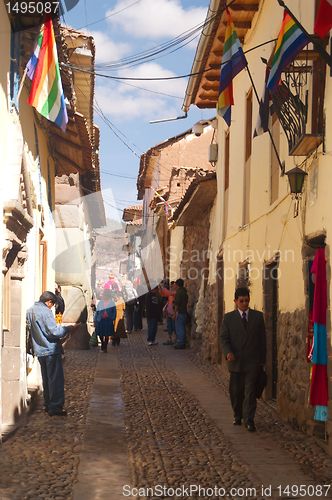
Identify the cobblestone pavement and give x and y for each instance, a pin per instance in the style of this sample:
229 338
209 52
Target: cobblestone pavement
306 450
40 460
171 438
173 441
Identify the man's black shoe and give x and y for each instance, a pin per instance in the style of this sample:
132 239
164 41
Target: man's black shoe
251 427
57 413
237 421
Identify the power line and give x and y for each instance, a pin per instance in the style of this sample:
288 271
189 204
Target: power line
112 127
117 175
110 15
77 68
163 47
149 90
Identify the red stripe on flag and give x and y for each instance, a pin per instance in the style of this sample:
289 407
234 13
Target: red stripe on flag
41 61
323 22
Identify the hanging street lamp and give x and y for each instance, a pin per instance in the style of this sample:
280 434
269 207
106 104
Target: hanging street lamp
296 178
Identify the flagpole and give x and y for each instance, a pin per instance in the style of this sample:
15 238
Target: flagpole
325 55
281 164
22 83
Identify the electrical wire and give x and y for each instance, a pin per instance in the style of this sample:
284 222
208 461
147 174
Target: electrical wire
177 77
183 38
110 15
152 91
117 175
149 58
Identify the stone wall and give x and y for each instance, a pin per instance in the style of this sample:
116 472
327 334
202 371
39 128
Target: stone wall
210 347
194 264
293 368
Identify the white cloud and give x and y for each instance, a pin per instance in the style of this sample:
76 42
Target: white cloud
155 19
152 70
124 101
107 50
117 102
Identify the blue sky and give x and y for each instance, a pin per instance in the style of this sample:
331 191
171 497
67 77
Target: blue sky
130 27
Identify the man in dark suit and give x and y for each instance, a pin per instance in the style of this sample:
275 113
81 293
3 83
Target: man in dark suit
243 343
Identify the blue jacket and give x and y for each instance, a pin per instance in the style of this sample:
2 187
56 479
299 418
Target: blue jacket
45 333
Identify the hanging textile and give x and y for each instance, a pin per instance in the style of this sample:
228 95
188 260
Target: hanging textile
319 380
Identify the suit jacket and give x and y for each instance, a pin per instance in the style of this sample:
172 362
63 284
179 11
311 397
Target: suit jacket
248 345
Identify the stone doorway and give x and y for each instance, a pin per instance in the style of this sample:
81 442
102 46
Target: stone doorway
270 297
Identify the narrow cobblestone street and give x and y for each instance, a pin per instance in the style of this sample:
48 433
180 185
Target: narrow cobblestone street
144 416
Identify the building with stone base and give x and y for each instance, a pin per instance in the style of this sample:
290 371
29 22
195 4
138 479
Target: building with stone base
33 154
259 235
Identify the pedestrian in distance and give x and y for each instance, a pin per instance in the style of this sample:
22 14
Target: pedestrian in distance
180 307
119 325
104 319
130 297
45 336
169 311
113 283
243 342
152 307
59 310
60 304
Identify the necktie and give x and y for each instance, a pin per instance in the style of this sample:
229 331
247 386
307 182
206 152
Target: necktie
244 320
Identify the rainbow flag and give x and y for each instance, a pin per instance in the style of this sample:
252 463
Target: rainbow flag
233 61
46 94
291 40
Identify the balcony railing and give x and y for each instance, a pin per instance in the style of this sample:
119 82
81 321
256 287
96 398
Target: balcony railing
298 103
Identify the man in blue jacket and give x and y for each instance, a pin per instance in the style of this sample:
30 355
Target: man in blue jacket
45 338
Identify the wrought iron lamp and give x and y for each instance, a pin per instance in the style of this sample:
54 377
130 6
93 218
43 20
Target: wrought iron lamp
296 178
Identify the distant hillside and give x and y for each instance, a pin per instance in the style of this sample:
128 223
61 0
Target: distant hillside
109 243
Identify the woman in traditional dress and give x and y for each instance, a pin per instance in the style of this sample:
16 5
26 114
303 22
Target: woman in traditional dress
104 319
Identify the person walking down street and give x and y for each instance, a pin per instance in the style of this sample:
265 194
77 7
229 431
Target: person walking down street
119 324
45 337
243 342
59 310
113 283
104 318
169 310
60 305
152 307
180 307
130 297
138 324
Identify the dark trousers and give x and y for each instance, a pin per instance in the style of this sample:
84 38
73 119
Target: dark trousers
53 381
242 391
180 329
152 329
104 342
129 316
138 317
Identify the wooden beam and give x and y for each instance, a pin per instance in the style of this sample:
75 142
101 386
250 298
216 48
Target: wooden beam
65 159
240 24
205 104
247 7
221 39
73 145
